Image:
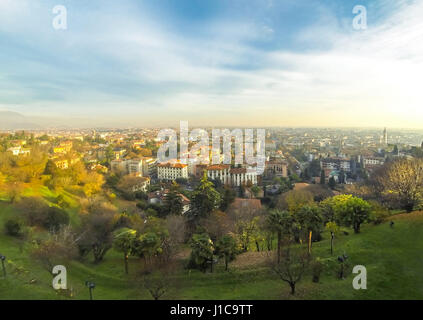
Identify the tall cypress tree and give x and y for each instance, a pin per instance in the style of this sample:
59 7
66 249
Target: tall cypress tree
322 177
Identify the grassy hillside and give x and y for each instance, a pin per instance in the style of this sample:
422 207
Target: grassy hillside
393 258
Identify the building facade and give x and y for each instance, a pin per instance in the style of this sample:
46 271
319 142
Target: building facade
172 171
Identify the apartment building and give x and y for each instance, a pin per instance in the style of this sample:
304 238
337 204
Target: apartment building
171 171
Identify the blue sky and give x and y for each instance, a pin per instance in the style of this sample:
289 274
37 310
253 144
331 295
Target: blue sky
214 62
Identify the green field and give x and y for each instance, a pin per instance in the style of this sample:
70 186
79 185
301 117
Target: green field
393 258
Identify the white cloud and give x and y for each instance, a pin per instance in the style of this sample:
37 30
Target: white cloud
371 77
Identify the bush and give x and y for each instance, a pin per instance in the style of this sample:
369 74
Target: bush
316 269
379 213
142 205
55 219
13 228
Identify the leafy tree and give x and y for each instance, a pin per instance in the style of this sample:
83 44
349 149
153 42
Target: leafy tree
226 248
148 245
314 167
295 199
228 196
309 219
332 183
282 223
97 232
51 168
202 251
55 218
123 242
151 239
379 213
204 200
351 211
173 203
246 230
322 177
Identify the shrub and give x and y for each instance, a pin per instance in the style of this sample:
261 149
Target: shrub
13 228
379 213
316 269
55 219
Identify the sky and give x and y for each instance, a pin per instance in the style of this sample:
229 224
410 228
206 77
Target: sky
214 62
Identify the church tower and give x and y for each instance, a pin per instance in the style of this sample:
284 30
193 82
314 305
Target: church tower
385 137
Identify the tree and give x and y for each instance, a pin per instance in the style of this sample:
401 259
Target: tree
226 248
123 242
204 200
282 223
58 248
309 219
291 267
246 229
202 251
333 228
351 211
151 240
328 209
176 229
293 200
158 277
97 231
315 168
217 224
228 196
128 185
332 183
403 180
395 150
55 218
50 168
322 177
173 203
34 209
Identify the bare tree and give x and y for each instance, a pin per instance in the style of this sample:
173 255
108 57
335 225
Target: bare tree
59 248
176 228
292 265
158 277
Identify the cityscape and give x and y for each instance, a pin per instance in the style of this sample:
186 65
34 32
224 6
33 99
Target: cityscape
300 176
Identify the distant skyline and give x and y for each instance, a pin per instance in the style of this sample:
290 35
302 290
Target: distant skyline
291 63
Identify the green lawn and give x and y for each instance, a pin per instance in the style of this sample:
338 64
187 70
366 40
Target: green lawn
393 258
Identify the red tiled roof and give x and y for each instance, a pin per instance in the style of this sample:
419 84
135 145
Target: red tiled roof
218 167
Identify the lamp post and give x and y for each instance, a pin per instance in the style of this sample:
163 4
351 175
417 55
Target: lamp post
3 258
90 285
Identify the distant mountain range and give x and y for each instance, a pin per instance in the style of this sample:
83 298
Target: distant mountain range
10 120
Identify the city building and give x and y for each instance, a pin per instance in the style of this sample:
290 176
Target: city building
231 176
276 168
127 166
171 171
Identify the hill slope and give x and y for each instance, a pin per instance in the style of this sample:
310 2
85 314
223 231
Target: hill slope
393 258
